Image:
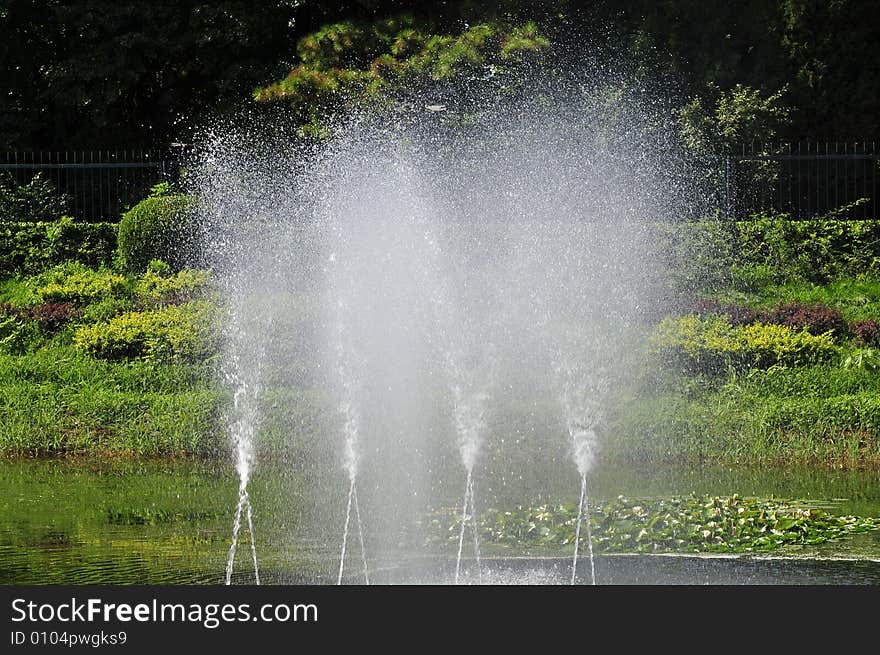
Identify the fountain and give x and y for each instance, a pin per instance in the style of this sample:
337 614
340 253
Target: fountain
438 281
469 408
351 428
243 426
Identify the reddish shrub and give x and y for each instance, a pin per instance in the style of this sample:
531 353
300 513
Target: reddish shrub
52 315
817 319
867 332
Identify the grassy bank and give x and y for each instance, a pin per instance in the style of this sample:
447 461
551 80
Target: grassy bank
772 357
96 361
824 415
57 400
757 361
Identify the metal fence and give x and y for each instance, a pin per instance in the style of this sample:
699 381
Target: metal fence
97 185
802 180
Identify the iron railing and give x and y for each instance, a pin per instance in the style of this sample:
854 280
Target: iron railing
803 180
97 185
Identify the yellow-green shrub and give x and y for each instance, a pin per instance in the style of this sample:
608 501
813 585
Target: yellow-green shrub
711 343
76 282
155 284
177 332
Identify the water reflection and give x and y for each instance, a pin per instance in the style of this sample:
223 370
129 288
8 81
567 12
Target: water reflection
79 522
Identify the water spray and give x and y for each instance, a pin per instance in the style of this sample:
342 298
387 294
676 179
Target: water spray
469 409
469 501
583 512
534 218
352 498
243 372
244 503
352 501
243 431
351 429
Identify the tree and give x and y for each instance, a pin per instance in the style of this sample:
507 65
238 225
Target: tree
99 73
375 63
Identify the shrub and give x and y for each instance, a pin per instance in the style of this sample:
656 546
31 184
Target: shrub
867 358
159 284
16 334
35 201
712 344
816 250
48 316
32 247
51 316
158 227
178 332
699 254
817 318
766 249
92 244
867 332
78 283
103 309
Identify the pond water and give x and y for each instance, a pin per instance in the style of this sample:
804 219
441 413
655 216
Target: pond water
124 522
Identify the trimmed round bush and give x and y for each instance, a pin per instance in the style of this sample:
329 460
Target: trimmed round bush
158 227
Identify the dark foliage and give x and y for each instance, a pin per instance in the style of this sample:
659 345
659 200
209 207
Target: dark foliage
735 314
99 73
867 332
817 318
51 316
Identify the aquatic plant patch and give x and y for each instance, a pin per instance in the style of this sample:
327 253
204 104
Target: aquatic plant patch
689 524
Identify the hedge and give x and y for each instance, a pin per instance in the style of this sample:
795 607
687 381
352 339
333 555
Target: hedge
28 248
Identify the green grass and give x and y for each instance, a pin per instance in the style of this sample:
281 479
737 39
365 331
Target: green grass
819 415
55 398
59 401
856 298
